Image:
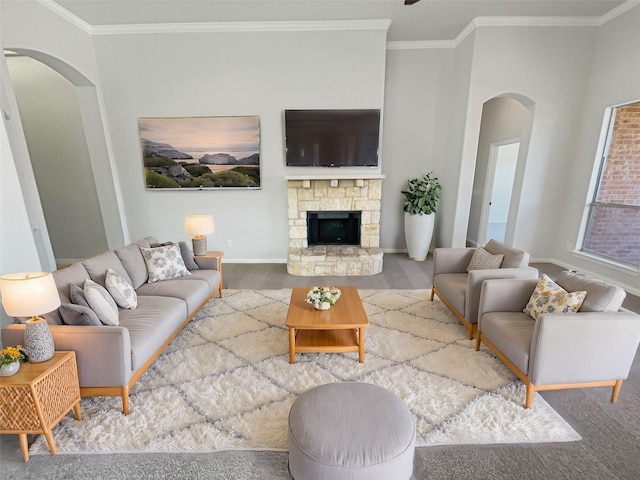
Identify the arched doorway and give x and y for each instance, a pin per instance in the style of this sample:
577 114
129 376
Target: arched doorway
502 148
62 128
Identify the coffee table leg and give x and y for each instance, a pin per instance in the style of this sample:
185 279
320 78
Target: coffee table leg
361 345
292 345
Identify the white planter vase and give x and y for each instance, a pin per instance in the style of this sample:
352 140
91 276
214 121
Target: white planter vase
418 231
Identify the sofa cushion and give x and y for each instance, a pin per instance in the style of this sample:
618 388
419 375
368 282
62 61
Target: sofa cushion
101 302
549 297
483 260
164 263
513 258
97 267
120 290
601 297
149 325
74 274
453 287
212 277
190 290
133 262
511 333
73 314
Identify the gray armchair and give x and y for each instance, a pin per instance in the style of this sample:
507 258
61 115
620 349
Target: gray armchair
591 348
459 289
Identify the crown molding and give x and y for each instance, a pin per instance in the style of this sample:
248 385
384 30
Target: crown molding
421 45
619 10
66 14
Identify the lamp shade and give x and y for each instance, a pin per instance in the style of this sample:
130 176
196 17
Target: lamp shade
199 224
28 294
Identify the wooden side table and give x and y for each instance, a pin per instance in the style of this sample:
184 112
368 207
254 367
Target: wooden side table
35 399
218 256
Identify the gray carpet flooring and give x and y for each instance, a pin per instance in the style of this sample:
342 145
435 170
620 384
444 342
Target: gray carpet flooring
610 448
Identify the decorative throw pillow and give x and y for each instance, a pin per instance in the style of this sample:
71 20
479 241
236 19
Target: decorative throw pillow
187 256
101 302
483 260
120 290
549 297
164 263
77 296
78 315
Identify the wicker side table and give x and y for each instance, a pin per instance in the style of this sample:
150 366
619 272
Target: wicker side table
36 398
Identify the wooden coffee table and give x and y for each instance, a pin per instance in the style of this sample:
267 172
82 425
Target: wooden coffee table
339 329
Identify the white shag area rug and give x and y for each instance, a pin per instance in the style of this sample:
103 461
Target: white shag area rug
226 383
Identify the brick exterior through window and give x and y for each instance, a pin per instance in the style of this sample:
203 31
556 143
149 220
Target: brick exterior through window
614 227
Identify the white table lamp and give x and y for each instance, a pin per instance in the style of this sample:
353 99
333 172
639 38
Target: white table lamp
31 295
199 226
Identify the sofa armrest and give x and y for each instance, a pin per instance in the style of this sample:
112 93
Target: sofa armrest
504 295
103 354
451 260
208 263
476 278
583 347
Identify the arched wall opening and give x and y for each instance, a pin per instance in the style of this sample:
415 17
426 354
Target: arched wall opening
68 155
506 122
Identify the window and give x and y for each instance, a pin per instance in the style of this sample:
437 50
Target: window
613 229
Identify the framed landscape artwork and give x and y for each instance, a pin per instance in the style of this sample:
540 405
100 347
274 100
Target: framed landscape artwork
202 153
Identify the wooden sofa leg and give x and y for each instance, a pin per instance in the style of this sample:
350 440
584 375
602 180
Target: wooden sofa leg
431 296
470 331
125 400
529 398
478 341
616 391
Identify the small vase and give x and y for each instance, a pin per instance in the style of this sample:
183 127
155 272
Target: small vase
323 306
8 370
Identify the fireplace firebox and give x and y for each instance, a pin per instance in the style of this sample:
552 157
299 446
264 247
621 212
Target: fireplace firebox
333 228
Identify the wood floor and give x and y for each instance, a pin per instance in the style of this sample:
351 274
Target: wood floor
399 272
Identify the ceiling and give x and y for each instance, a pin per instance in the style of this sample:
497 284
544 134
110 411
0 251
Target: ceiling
427 20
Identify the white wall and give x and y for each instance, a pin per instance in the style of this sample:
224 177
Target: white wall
549 66
218 74
265 72
415 104
614 79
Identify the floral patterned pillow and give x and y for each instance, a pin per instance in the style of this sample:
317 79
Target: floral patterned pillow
123 293
549 297
164 263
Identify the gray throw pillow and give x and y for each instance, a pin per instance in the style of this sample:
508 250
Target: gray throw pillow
77 296
187 256
78 315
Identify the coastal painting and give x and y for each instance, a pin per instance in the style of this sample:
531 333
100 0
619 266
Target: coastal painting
202 153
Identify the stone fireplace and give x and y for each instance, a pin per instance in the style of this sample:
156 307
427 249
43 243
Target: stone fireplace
337 205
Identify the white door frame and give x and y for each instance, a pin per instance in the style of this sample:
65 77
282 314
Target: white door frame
488 188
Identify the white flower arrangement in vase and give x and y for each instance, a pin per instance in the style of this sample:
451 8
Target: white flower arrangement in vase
323 297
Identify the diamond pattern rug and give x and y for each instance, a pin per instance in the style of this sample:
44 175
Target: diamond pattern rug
225 382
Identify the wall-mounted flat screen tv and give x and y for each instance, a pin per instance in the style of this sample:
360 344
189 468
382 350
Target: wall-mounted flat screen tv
332 138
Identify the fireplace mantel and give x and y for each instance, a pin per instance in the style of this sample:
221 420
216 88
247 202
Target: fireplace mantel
355 176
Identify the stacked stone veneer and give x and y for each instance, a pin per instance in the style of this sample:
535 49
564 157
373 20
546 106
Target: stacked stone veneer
361 195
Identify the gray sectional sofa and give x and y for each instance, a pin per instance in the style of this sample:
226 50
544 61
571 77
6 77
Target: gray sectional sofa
112 358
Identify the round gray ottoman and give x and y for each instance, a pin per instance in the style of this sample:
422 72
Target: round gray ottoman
350 431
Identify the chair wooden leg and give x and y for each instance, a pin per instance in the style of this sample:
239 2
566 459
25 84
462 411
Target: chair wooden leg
529 398
431 296
470 331
616 391
125 400
478 341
